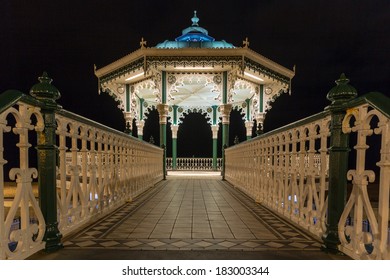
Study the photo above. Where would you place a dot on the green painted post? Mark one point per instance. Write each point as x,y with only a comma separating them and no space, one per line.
163,112
261,98
141,117
338,162
47,160
248,116
128,104
174,128
215,137
174,153
215,154
225,113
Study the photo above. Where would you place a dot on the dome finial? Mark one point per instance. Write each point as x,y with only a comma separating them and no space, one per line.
195,20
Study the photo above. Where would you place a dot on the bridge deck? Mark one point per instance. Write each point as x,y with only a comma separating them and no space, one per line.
195,216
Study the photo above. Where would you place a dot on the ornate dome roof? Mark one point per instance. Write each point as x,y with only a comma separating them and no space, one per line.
194,37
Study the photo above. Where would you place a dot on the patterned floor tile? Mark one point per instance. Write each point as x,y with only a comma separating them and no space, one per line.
180,244
133,243
274,244
299,245
86,243
109,243
156,244
203,244
204,215
226,244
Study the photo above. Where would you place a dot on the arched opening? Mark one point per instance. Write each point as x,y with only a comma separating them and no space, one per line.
152,128
194,137
236,127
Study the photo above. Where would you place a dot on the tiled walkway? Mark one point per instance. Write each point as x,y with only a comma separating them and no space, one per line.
193,213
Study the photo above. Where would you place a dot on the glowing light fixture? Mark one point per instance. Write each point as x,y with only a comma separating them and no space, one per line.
253,76
135,76
193,68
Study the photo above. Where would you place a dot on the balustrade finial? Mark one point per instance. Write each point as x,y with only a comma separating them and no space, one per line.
342,92
44,90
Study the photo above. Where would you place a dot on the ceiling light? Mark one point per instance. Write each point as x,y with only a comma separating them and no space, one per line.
253,76
135,76
193,68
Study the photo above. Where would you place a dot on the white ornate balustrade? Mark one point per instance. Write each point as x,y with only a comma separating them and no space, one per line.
286,170
106,168
23,238
99,169
195,164
357,240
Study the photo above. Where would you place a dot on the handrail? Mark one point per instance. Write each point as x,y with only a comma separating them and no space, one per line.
376,100
107,168
10,97
295,124
286,170
90,122
100,168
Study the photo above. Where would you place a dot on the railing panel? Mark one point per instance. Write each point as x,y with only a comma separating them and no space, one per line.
286,170
366,236
22,225
99,170
195,164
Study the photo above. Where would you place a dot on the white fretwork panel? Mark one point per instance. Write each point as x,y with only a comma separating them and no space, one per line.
22,225
99,170
364,224
286,171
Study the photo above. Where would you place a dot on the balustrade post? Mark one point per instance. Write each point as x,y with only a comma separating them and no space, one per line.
163,113
338,161
47,159
174,128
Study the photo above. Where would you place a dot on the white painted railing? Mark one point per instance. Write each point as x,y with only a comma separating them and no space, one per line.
99,170
357,240
196,164
22,225
106,169
286,170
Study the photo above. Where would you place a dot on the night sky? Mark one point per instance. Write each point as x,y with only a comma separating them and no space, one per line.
322,38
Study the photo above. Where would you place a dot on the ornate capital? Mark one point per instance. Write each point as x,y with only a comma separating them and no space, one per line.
163,110
140,127
260,117
225,113
214,129
129,116
174,128
249,126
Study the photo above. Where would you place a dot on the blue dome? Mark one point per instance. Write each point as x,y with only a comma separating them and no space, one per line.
194,37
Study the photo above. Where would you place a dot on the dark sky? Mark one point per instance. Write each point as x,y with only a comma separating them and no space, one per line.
322,38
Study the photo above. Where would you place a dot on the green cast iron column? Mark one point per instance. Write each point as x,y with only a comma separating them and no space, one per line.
248,115
225,112
141,115
47,161
174,153
174,137
225,123
163,112
215,137
215,153
338,162
127,113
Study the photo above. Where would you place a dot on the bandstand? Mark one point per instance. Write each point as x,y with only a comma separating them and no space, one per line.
194,73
